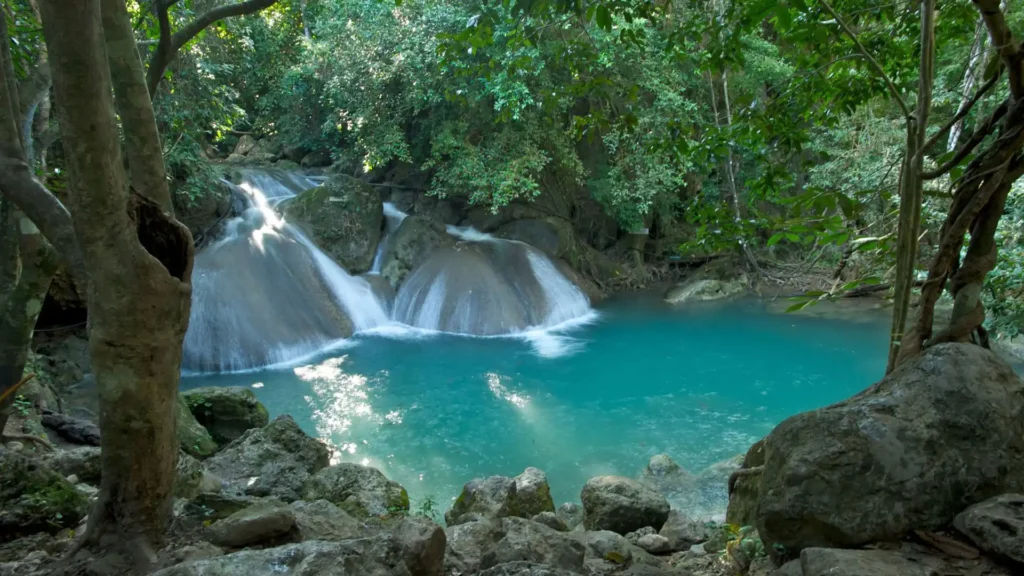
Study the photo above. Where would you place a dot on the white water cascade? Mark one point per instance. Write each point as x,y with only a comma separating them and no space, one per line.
265,294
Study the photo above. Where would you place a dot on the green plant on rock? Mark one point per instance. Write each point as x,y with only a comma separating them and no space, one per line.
428,508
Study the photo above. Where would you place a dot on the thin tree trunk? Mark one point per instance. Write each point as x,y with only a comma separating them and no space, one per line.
142,141
139,262
911,187
970,79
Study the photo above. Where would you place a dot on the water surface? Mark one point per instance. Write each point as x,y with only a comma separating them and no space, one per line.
701,384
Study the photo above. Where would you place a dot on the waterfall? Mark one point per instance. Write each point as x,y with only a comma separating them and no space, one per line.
264,294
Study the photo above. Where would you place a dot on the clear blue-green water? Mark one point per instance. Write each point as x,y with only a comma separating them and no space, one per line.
700,384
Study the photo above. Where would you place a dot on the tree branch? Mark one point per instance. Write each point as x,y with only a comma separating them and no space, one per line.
1003,42
964,110
162,55
874,63
969,146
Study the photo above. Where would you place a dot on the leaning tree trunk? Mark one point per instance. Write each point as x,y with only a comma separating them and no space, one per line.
139,264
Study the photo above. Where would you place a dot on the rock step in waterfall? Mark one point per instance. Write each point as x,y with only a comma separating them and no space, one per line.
265,293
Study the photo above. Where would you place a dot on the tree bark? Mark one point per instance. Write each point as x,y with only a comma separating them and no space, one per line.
139,263
142,141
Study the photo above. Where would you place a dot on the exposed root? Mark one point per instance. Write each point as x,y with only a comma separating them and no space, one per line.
742,472
28,438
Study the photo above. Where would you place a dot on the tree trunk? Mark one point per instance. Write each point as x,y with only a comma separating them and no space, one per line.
970,79
142,141
139,263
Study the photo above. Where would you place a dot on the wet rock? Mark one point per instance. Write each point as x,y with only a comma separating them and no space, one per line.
466,544
524,540
344,218
83,462
533,494
704,290
835,562
996,526
322,520
259,523
34,498
194,439
682,532
382,290
493,497
201,212
551,520
943,431
746,488
359,490
654,544
571,513
276,460
226,411
622,505
552,235
245,145
445,210
422,543
414,240
377,556
525,569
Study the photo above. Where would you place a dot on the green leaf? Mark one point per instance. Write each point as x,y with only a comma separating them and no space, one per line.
775,239
604,17
800,306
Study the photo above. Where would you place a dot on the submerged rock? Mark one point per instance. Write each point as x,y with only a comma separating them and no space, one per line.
359,490
259,523
343,217
493,497
226,411
411,244
943,431
276,460
34,498
622,505
996,526
533,494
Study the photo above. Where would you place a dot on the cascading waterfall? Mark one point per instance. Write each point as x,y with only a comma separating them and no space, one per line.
264,293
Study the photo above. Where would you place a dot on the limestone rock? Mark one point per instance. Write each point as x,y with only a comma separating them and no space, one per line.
682,532
622,505
571,513
654,544
316,159
835,562
552,236
201,212
714,281
466,544
188,477
226,411
943,431
245,145
533,494
276,460
533,542
746,489
322,520
445,210
606,550
422,543
259,523
493,497
414,240
996,526
34,498
377,556
636,535
193,437
359,490
525,569
344,218
83,462
551,520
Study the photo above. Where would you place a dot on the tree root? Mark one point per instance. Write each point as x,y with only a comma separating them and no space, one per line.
28,438
742,472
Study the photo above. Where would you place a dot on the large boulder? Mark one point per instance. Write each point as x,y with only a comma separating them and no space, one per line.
745,487
552,235
716,280
524,540
34,498
359,490
466,543
200,212
416,237
262,522
533,494
276,460
245,145
493,497
377,556
682,532
226,411
193,437
996,526
344,218
316,159
945,430
322,520
622,505
422,543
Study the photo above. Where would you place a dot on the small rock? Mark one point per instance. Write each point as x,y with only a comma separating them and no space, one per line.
359,490
996,526
662,465
697,550
87,490
493,497
791,568
72,479
622,505
682,532
533,494
638,534
15,446
654,543
259,523
551,520
226,412
571,513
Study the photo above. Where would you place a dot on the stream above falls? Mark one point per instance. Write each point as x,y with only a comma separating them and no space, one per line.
701,384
